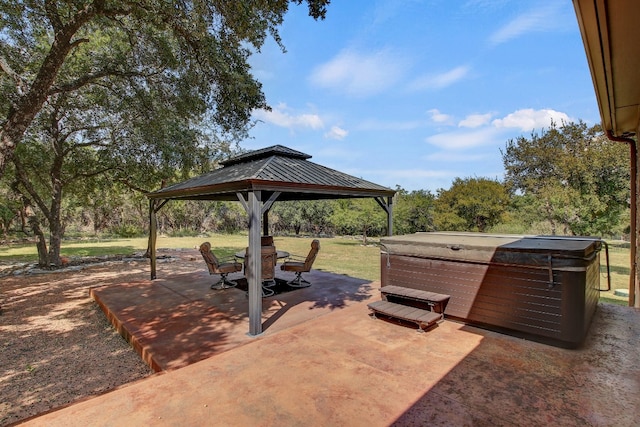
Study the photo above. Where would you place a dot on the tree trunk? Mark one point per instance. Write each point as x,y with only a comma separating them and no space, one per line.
41,244
56,228
56,231
548,210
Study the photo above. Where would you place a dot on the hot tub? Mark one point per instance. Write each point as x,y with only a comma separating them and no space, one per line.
539,287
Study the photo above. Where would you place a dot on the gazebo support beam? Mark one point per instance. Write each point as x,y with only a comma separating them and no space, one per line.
254,269
265,212
153,233
154,206
388,208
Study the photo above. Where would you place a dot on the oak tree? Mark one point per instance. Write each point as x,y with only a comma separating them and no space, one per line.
471,204
133,92
198,45
577,179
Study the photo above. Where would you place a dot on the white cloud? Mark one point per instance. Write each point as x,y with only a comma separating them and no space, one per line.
336,133
529,119
439,117
459,140
545,18
475,120
486,134
442,80
360,74
280,116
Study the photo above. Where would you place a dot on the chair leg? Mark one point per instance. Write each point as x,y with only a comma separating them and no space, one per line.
299,282
269,283
267,292
224,283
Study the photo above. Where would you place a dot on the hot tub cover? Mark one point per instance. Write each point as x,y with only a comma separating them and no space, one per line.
495,248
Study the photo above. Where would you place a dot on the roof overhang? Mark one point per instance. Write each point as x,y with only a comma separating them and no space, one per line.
611,35
270,170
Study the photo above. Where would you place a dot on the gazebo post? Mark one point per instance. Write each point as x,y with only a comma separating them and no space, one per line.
153,226
390,216
255,266
265,223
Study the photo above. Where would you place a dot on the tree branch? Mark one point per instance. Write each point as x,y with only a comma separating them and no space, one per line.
24,181
132,186
51,8
92,78
17,80
87,175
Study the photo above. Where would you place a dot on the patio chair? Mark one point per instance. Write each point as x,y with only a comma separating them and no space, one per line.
299,265
221,267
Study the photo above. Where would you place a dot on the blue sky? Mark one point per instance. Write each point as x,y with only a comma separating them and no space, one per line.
416,93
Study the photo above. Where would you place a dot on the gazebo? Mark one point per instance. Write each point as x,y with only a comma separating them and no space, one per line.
257,179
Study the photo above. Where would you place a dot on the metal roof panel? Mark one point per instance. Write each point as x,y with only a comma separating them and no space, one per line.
284,168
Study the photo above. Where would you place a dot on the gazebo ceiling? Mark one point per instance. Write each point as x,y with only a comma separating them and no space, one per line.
272,169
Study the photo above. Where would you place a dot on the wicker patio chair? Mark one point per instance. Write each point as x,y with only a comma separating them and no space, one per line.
299,265
221,267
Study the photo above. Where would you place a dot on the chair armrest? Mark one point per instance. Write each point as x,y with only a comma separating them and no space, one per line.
295,258
230,260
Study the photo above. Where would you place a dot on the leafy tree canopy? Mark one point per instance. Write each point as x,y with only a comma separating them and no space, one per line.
193,47
471,204
124,92
413,211
577,179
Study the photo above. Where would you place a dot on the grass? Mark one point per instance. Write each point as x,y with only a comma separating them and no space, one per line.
338,255
341,255
619,267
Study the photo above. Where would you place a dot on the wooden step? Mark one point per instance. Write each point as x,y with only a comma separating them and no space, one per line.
423,318
437,301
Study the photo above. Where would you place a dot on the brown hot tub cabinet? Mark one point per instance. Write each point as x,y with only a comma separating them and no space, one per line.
542,288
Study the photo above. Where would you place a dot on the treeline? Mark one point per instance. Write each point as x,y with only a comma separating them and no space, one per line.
567,180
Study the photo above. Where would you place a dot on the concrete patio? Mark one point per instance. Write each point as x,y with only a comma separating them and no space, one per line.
323,361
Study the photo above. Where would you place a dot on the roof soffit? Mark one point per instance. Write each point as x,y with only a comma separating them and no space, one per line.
611,36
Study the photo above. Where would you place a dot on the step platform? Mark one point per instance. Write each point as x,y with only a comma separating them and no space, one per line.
437,302
423,318
412,305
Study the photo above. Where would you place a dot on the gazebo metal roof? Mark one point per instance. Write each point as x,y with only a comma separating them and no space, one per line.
257,179
275,168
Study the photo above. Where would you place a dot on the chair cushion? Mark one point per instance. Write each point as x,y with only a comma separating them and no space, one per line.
229,267
292,266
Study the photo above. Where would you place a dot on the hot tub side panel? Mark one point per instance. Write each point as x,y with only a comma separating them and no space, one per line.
516,298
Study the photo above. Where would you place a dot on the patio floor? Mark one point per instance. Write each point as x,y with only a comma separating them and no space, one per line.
323,361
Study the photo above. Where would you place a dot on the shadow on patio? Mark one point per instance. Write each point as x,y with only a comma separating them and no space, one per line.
177,320
323,361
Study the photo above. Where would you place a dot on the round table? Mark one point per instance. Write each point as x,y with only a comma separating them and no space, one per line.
279,254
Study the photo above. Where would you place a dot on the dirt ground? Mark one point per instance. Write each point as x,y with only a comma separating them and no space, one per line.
56,345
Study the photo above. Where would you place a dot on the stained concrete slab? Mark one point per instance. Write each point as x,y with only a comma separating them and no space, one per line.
177,320
324,361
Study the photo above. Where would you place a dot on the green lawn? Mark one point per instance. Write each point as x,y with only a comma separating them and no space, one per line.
619,266
337,255
342,255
